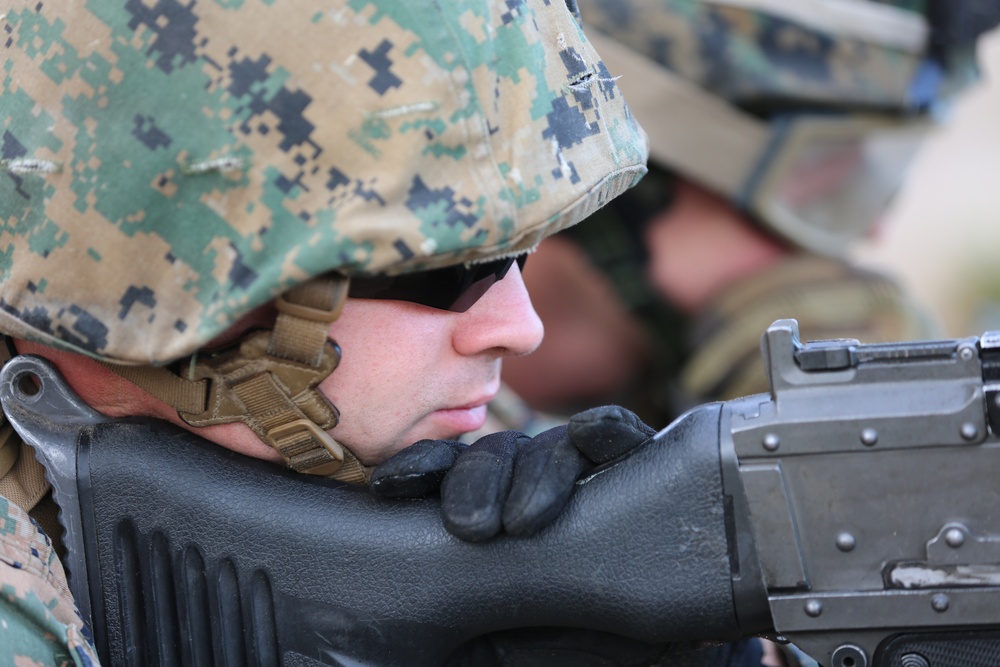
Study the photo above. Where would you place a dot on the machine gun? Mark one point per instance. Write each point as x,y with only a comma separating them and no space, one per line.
852,511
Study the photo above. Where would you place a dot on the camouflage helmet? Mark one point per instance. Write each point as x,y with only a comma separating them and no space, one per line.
168,166
776,53
803,113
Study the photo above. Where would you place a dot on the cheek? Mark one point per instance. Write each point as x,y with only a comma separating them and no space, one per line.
392,354
358,387
388,338
371,343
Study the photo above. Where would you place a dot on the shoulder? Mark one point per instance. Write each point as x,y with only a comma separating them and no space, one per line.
38,618
830,299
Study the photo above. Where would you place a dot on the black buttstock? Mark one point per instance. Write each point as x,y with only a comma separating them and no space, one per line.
198,556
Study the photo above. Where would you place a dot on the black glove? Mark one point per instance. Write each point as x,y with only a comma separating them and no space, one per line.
506,480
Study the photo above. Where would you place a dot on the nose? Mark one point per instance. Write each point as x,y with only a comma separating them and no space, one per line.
503,323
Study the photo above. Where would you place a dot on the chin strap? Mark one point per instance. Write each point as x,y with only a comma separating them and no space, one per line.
269,382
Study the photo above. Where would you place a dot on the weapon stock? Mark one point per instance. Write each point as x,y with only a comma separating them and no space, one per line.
195,555
853,511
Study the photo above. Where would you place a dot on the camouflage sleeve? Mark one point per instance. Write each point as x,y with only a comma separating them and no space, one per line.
830,299
39,622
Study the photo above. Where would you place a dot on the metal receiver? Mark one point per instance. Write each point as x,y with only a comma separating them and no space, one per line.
870,473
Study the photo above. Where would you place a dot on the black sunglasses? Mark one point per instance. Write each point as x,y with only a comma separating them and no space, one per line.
453,288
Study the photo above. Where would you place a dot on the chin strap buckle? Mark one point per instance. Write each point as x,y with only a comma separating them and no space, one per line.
297,441
270,383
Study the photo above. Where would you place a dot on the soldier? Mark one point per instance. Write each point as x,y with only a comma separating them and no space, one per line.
198,199
778,132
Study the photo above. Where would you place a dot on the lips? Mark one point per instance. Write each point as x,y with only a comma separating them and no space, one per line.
464,418
471,405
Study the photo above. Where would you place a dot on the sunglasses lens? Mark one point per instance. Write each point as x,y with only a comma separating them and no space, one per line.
454,288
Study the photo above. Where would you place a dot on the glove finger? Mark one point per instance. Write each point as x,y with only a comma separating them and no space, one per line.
416,471
475,489
545,470
608,432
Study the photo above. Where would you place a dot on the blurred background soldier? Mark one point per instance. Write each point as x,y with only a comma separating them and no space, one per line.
778,134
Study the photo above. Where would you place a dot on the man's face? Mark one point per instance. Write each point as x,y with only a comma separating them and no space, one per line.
411,372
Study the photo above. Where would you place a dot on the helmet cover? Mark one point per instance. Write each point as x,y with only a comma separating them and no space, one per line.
775,54
166,167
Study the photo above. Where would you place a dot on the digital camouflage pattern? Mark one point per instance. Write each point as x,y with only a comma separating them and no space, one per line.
39,623
167,166
753,57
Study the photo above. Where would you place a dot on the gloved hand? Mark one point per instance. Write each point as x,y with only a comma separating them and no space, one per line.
507,480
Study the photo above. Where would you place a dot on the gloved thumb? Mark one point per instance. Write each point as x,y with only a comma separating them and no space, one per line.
416,471
607,433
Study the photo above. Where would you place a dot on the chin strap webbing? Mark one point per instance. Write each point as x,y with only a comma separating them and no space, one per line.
269,382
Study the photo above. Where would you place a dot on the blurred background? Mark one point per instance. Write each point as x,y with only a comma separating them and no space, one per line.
778,131
941,237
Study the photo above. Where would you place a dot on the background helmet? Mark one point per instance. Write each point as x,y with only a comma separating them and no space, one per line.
804,113
167,167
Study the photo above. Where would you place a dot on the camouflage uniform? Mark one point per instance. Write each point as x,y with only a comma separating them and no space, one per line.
202,158
830,299
39,623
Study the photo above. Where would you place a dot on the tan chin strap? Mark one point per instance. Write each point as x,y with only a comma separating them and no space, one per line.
269,382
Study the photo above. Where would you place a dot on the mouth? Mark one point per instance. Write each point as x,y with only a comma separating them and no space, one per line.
464,418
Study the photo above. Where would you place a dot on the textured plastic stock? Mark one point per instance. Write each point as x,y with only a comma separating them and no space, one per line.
197,556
